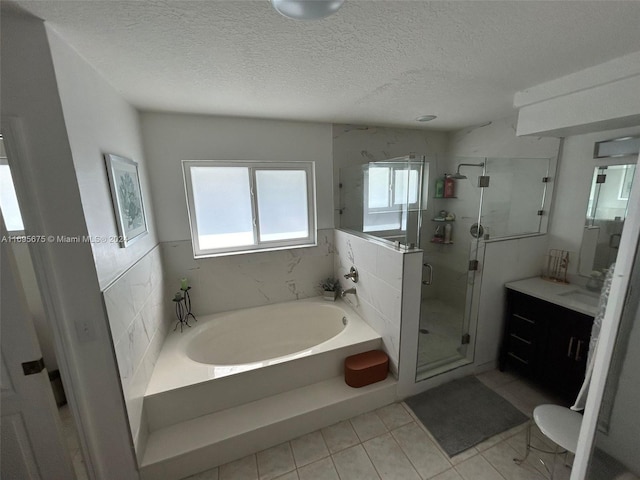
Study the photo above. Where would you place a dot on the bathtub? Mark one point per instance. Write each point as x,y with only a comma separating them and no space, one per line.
226,344
247,380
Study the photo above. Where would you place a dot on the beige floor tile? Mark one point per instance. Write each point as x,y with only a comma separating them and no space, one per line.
448,475
207,475
394,416
289,476
320,470
309,448
477,468
495,378
275,461
389,460
501,458
461,457
340,436
245,468
354,464
423,453
368,425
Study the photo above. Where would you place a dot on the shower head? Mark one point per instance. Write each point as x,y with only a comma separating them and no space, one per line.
460,176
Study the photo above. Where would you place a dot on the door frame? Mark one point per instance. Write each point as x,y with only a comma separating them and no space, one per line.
15,145
610,324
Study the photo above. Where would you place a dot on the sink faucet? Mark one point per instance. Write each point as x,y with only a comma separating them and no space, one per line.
348,290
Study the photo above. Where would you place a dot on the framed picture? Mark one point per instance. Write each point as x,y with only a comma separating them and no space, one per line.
127,198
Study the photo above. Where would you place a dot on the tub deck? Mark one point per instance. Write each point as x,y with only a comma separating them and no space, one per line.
199,416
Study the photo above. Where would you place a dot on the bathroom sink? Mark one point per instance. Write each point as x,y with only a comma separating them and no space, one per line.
582,296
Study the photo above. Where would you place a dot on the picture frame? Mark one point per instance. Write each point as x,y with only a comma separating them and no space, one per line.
126,196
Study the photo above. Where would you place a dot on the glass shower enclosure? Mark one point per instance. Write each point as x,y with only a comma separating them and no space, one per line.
487,199
384,200
493,199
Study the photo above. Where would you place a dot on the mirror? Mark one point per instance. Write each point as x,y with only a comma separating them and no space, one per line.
606,213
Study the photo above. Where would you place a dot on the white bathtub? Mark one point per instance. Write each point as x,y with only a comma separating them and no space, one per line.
229,343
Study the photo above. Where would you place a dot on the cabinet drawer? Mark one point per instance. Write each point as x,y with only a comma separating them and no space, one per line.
523,326
520,350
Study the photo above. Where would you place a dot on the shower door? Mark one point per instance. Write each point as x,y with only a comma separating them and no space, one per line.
445,337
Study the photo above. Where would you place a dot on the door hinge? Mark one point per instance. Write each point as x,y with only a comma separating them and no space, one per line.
540,213
466,339
601,178
473,265
33,367
483,181
546,179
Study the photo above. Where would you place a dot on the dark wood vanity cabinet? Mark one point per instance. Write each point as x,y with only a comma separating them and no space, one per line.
546,343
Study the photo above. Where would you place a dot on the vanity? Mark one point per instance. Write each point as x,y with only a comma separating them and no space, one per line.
546,334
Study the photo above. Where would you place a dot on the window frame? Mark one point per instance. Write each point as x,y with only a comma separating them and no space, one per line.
5,161
393,207
258,246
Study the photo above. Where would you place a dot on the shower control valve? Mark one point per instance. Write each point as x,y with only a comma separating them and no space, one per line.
352,275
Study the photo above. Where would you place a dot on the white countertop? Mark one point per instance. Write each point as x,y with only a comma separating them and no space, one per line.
569,296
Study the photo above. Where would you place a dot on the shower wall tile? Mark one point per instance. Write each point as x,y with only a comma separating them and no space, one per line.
139,316
379,288
233,282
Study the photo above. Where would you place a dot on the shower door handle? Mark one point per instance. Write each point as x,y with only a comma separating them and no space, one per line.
430,278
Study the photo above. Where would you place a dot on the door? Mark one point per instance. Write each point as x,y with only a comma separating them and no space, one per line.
31,444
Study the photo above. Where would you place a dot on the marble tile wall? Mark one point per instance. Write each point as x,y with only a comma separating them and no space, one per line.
232,282
139,317
379,288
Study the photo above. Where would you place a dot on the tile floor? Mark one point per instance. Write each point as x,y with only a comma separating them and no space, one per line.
391,444
73,444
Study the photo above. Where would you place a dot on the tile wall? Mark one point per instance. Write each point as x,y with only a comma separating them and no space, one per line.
379,288
232,282
139,317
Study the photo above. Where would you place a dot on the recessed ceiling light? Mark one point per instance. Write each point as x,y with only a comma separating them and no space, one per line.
426,118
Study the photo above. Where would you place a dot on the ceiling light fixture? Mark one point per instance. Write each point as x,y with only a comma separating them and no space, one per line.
426,118
306,9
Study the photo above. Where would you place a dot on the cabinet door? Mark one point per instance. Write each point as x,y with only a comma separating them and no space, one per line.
566,351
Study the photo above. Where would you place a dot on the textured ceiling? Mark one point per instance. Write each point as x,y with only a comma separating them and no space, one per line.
374,62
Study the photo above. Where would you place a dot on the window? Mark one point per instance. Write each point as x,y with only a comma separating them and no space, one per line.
8,198
391,190
241,206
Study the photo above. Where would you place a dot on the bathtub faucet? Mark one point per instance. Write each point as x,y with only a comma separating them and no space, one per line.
348,290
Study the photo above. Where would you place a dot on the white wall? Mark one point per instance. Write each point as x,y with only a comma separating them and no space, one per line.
138,315
48,189
575,174
99,121
602,97
170,138
236,281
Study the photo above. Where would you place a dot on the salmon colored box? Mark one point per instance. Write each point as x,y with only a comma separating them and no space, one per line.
366,368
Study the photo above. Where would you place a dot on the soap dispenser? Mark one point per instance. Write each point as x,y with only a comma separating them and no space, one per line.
449,186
